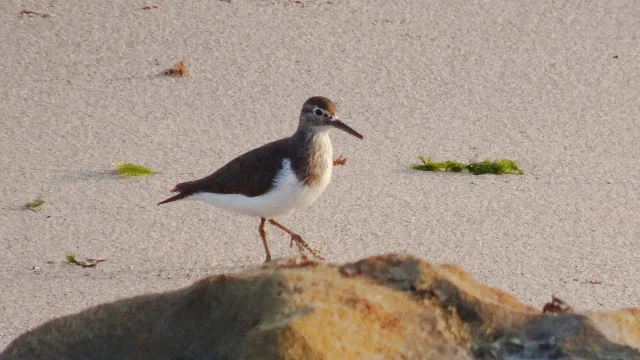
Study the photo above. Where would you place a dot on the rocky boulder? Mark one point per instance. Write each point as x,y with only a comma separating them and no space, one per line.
384,307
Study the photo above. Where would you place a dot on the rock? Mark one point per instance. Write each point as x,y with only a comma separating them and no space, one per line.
385,307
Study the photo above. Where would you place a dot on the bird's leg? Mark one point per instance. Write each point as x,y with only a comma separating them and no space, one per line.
263,235
301,244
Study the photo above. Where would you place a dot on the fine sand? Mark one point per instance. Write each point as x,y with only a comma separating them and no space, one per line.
553,85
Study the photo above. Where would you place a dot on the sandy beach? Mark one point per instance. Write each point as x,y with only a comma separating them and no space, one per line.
552,85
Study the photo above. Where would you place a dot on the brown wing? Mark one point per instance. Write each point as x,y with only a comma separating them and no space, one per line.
249,174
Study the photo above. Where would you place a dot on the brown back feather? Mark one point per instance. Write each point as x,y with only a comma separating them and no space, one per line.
250,174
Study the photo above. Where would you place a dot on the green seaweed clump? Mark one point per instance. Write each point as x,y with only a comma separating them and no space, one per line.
443,166
35,205
129,169
498,167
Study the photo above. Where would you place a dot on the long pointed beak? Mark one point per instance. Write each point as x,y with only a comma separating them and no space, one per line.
344,127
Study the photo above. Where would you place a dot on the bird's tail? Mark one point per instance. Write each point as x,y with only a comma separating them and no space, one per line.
179,196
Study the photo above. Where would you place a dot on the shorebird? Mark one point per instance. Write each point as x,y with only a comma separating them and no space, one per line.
278,178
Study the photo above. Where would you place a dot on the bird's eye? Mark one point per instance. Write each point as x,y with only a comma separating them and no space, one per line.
318,112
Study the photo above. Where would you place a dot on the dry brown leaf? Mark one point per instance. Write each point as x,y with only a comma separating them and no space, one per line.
556,306
340,161
179,69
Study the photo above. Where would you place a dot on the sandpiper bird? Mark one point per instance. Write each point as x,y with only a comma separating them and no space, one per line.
277,178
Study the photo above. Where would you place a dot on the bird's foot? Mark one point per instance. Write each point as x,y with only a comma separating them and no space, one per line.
302,246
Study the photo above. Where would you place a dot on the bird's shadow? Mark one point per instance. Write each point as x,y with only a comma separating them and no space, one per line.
89,174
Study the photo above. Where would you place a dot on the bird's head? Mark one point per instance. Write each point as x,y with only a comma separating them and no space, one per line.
319,113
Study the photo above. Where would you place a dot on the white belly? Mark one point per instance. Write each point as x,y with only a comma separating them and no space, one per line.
285,197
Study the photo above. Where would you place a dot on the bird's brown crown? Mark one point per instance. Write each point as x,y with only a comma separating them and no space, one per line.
320,102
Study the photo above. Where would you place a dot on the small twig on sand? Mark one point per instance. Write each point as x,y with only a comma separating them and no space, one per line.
34,13
71,259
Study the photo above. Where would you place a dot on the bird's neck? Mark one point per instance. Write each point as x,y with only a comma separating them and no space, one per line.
313,140
316,156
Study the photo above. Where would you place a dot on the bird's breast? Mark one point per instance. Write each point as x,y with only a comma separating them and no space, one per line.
319,162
